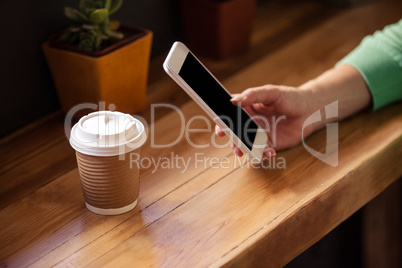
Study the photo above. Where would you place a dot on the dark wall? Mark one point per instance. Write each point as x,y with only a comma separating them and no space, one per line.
27,91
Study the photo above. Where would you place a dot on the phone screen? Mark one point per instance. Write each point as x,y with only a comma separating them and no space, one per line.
212,93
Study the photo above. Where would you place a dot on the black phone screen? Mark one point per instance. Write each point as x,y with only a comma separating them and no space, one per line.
212,93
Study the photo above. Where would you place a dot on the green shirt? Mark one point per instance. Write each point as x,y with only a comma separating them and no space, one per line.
378,58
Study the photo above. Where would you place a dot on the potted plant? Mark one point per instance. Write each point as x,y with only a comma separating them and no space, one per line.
96,60
217,28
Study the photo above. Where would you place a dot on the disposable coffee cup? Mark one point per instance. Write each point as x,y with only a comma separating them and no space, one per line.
103,142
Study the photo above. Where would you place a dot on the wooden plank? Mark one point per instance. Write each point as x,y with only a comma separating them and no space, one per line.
35,172
54,241
38,223
267,217
368,173
381,229
139,222
208,217
29,141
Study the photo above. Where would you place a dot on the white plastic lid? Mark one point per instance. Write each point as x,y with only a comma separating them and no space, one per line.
107,133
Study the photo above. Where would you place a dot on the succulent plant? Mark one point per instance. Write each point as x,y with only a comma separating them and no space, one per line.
91,24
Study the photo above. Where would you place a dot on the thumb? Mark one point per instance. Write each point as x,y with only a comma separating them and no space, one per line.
265,94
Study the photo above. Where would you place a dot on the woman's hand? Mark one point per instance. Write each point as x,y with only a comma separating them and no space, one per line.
282,110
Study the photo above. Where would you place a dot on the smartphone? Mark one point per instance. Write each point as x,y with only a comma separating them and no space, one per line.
199,83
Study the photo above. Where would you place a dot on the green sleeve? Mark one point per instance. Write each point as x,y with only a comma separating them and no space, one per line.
378,58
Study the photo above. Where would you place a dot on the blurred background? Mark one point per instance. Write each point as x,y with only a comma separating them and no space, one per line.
27,90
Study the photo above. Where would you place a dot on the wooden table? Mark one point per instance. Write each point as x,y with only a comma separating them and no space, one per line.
209,215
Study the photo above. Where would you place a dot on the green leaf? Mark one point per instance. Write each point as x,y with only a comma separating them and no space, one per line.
99,15
108,4
87,41
115,5
100,33
90,27
99,38
65,36
88,11
104,25
113,34
94,33
90,4
84,4
114,24
75,15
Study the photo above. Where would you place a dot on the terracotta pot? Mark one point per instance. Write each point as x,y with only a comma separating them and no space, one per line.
217,28
118,76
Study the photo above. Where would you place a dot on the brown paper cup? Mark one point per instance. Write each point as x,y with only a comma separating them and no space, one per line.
103,142
110,185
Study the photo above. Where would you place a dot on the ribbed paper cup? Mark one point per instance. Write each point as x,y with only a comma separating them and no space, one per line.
110,184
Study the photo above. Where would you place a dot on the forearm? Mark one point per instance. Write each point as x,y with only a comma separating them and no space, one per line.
369,75
343,84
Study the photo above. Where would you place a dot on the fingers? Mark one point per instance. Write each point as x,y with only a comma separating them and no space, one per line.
237,151
267,95
269,152
219,132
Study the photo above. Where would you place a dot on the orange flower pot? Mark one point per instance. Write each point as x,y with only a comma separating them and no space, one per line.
118,77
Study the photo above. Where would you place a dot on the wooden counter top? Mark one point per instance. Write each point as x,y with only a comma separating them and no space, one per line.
205,215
